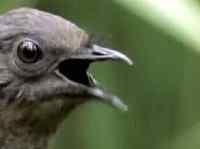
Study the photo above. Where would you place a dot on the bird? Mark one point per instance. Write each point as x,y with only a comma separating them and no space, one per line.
44,61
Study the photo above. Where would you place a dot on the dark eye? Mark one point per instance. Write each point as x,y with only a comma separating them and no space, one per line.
29,52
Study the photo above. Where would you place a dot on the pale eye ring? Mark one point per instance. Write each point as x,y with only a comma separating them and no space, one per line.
29,51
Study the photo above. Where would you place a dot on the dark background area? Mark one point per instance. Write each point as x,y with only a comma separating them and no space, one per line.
162,89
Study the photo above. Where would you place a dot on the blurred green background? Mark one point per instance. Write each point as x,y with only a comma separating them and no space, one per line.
162,90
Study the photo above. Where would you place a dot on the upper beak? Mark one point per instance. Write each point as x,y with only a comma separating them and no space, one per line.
97,53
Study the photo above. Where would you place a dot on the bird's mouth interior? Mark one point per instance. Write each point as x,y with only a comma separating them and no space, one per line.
76,70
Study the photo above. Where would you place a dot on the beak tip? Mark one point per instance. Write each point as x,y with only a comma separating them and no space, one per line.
107,54
125,108
117,103
129,62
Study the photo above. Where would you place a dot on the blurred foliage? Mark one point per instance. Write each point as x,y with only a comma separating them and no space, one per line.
162,90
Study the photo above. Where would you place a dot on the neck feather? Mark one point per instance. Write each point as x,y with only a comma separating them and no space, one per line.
31,126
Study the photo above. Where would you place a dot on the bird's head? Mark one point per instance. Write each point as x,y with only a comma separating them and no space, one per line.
43,66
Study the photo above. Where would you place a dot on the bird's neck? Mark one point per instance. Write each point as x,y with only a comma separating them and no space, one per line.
31,127
19,131
17,139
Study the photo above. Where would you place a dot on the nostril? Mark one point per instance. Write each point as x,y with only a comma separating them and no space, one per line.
97,53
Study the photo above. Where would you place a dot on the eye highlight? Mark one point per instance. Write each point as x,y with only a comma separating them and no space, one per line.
29,52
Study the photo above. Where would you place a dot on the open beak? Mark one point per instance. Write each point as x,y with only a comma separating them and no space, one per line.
75,70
